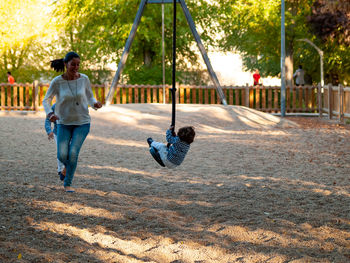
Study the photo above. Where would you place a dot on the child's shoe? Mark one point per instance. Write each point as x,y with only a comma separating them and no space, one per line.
61,175
149,141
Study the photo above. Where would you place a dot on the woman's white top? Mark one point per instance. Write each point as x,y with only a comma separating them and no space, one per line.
73,98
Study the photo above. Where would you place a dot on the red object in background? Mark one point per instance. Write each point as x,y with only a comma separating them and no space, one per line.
11,79
256,78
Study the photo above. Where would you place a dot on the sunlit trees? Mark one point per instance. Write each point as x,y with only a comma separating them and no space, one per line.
25,30
253,28
35,31
98,29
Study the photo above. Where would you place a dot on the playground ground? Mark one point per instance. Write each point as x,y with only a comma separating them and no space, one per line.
253,188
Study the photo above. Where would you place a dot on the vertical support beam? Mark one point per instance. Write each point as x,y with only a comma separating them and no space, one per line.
341,102
269,99
163,52
194,95
105,91
126,52
2,104
27,96
246,95
15,96
275,102
321,66
319,99
203,52
9,97
35,95
173,89
330,110
236,92
21,97
283,58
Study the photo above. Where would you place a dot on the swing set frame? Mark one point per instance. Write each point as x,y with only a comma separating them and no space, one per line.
197,38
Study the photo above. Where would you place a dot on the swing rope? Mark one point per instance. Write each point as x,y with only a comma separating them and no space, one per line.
173,89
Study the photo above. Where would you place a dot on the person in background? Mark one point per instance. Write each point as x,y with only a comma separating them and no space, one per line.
52,134
299,76
256,77
73,96
10,78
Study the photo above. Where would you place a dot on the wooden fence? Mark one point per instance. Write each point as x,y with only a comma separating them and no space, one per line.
306,99
336,101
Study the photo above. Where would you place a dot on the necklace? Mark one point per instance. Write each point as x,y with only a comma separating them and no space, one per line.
76,92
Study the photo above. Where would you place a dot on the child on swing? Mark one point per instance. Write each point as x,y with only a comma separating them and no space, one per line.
174,153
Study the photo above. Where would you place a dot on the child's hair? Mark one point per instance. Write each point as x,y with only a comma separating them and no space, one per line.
186,134
58,64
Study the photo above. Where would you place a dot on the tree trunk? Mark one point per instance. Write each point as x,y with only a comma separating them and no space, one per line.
71,39
293,8
289,65
5,62
147,57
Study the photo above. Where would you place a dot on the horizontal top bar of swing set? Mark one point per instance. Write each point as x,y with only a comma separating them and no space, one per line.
162,1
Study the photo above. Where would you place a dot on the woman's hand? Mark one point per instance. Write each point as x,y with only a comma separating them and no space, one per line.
98,105
50,136
52,117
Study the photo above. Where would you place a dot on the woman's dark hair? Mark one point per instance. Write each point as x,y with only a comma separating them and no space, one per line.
58,64
186,134
8,72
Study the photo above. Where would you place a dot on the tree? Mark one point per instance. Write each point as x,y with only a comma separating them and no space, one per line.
98,30
24,34
253,28
330,21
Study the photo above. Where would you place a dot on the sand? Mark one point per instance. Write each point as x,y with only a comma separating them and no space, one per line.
253,188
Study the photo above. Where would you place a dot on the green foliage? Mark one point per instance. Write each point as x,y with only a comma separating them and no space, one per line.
154,75
253,28
330,21
34,32
98,31
25,31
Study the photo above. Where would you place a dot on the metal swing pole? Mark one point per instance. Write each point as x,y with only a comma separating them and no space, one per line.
126,51
173,89
163,52
283,60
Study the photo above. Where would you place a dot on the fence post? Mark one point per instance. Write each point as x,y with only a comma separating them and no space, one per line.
3,103
177,94
330,110
319,99
35,95
104,92
341,102
247,95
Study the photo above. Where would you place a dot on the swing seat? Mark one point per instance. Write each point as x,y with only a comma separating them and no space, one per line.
155,154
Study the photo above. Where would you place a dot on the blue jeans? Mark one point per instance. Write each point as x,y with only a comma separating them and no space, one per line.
163,152
70,138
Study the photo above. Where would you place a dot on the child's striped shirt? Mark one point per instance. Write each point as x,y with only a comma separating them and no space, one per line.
177,150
